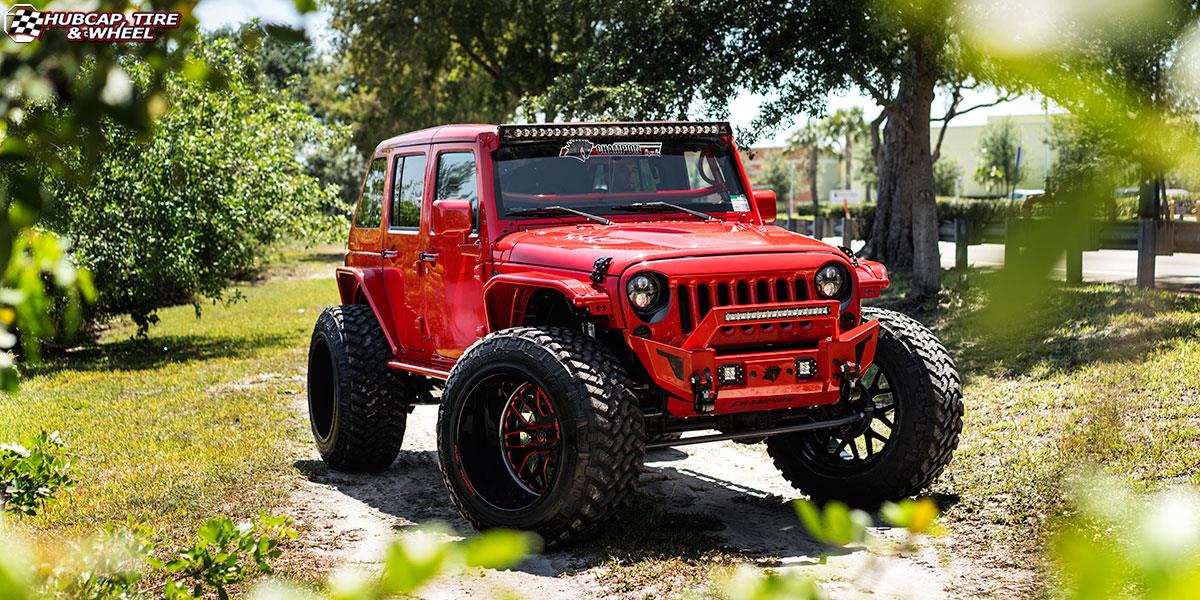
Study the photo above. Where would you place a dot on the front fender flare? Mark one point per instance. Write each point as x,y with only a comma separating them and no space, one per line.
505,297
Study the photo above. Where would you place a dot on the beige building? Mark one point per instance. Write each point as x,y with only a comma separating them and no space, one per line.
961,145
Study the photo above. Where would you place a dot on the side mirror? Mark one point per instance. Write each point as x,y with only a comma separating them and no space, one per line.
764,201
451,217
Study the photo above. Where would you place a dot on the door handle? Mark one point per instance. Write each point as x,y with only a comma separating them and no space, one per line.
428,256
390,253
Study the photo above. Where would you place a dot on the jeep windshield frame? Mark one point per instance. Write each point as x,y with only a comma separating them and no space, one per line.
605,176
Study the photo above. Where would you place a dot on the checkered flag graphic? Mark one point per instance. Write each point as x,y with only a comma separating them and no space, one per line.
26,21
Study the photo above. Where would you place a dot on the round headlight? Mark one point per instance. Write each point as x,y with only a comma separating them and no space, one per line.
643,291
830,281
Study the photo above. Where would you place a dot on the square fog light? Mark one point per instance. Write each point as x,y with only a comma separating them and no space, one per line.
806,368
731,373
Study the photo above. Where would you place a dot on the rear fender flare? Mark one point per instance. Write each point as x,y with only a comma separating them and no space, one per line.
366,286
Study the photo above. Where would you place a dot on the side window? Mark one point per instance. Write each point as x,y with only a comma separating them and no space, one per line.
370,206
456,180
407,189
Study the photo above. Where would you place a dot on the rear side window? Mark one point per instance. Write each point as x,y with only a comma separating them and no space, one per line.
456,180
407,190
370,206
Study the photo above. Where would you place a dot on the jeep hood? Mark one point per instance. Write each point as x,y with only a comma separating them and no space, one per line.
578,246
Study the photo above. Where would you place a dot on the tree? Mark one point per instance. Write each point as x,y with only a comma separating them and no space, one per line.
661,59
946,174
173,218
1085,152
87,80
844,128
812,140
778,175
999,168
399,66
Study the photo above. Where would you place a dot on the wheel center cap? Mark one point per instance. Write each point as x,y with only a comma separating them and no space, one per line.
541,436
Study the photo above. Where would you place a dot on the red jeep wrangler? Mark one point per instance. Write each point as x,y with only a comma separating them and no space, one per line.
579,293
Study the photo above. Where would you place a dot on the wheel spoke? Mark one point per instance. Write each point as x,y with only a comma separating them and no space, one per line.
530,435
875,380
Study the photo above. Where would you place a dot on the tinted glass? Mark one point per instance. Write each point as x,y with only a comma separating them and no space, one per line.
600,176
456,180
407,189
370,206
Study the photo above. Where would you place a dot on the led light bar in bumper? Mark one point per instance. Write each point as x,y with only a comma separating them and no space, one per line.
777,313
577,130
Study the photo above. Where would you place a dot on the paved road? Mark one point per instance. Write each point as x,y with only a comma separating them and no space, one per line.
1179,272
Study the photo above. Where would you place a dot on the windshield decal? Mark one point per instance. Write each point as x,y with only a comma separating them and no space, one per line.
739,203
583,149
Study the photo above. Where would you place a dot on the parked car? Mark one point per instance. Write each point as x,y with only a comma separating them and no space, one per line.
573,294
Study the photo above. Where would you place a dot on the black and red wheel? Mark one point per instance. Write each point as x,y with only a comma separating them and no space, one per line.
912,399
530,438
539,430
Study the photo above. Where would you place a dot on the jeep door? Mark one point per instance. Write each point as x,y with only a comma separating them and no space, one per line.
402,245
453,303
366,224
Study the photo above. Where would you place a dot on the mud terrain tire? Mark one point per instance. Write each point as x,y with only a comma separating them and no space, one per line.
927,393
356,404
576,397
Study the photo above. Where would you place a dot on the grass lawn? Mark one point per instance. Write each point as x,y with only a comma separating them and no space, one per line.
191,422
1080,378
198,419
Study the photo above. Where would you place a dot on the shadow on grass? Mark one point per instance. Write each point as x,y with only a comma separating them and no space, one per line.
1059,328
139,354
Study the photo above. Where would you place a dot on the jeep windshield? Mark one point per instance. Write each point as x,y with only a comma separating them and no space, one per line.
609,176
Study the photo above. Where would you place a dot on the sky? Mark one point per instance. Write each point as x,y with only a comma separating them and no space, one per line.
214,14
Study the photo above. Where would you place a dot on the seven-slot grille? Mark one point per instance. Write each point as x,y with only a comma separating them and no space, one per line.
698,296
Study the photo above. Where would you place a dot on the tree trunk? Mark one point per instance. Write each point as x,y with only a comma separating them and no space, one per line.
812,179
905,235
849,153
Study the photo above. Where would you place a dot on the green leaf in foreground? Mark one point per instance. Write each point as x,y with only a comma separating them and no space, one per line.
837,525
919,517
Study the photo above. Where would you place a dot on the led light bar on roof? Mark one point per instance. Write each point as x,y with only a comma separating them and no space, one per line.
575,130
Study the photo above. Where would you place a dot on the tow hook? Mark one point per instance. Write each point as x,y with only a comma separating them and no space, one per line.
849,375
704,395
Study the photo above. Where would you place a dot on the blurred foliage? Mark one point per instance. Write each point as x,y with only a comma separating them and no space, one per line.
1122,69
90,85
225,554
415,559
102,567
1115,543
998,169
172,219
1086,153
113,565
748,583
916,516
834,524
402,66
946,174
31,474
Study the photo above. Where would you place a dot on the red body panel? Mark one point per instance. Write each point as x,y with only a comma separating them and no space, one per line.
437,293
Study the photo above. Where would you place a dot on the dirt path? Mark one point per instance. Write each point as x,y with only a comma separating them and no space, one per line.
349,518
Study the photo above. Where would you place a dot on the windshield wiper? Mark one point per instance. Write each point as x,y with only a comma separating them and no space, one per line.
550,211
663,207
